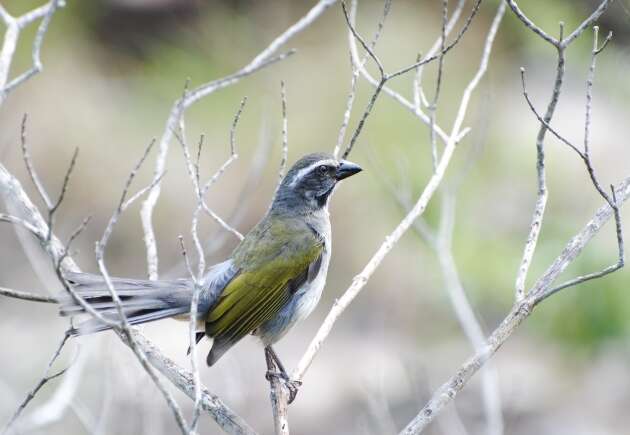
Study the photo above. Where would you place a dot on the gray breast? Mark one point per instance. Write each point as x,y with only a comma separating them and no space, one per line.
305,298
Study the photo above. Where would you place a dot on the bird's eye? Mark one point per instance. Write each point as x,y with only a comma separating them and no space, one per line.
323,169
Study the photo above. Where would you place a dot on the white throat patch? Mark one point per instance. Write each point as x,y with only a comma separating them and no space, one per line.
302,172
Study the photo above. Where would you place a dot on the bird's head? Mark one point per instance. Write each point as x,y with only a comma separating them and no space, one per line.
311,180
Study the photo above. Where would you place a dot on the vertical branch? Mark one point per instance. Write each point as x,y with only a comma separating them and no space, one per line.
465,314
541,196
197,279
279,398
355,69
349,103
285,139
192,338
438,85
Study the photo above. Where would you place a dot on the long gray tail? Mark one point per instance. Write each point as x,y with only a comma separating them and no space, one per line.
142,300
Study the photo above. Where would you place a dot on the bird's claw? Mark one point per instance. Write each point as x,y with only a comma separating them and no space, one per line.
291,385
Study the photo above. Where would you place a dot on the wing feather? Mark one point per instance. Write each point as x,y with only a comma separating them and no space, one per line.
269,271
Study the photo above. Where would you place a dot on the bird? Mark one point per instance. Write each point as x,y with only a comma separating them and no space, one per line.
273,279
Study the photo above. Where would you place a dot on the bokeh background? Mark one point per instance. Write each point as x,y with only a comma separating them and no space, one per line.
113,69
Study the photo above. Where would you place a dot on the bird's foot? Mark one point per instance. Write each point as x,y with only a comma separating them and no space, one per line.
292,385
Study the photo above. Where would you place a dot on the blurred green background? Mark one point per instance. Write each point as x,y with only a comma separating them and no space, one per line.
112,71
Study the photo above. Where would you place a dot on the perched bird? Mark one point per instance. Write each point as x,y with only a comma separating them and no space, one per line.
273,279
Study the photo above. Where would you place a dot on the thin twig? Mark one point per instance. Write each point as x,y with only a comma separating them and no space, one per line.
586,158
419,97
192,338
30,169
355,71
369,50
42,381
64,188
385,77
438,86
285,126
447,48
542,193
27,296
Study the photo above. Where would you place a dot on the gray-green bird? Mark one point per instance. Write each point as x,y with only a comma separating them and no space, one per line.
274,277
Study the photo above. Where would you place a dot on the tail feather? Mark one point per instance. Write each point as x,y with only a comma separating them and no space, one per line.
94,325
129,304
142,300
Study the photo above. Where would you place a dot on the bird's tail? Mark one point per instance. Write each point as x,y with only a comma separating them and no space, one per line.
142,300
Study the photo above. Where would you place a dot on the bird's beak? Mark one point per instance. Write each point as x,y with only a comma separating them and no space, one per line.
346,169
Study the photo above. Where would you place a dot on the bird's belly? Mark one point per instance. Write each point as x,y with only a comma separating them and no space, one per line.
301,304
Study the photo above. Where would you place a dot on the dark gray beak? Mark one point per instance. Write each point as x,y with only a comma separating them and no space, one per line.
346,169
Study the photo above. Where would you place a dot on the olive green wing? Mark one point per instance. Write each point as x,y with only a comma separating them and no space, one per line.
273,263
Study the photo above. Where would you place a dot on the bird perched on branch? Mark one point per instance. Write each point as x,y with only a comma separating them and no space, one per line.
273,279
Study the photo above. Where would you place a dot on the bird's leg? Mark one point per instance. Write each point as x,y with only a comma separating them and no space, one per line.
274,362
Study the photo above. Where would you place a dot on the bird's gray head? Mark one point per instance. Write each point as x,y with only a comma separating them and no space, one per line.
310,182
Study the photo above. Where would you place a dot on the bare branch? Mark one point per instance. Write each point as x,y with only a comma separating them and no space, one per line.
610,199
588,22
390,241
366,113
350,18
27,296
183,380
438,85
356,71
446,49
542,194
358,37
465,314
192,329
589,84
254,174
225,417
200,192
193,171
585,156
525,302
540,118
64,188
419,96
262,60
123,329
285,140
12,192
14,26
44,379
380,84
530,24
346,114
279,397
521,310
30,169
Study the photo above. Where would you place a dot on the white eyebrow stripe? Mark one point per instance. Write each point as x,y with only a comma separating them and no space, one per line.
302,172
